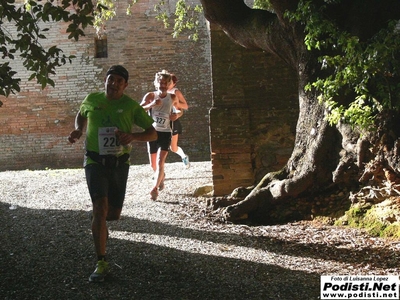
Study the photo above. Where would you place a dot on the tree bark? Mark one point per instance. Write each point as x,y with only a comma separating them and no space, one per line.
323,156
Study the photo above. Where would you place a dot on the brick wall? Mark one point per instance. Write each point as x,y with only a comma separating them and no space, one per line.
253,114
35,123
247,100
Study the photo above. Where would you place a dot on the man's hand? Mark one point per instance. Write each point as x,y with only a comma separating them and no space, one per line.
123,137
156,102
74,135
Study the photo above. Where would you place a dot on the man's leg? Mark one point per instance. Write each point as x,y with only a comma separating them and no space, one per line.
117,190
99,232
153,161
113,213
99,225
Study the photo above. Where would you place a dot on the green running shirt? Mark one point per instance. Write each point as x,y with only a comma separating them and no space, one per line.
104,116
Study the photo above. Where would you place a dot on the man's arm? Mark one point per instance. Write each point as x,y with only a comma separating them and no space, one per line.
149,101
150,134
80,123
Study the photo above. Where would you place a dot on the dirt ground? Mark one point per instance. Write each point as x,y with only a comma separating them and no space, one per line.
166,249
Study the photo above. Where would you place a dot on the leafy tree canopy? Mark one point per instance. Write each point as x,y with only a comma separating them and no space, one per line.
368,70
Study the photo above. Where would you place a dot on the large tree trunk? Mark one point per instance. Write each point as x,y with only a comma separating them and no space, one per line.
324,157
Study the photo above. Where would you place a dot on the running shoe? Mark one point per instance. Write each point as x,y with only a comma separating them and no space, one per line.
186,161
100,272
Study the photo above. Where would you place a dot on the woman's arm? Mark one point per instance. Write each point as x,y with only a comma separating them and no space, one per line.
182,103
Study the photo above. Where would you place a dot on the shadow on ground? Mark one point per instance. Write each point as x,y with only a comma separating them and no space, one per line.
48,254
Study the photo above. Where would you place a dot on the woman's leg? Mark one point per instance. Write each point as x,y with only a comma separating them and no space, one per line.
174,143
159,174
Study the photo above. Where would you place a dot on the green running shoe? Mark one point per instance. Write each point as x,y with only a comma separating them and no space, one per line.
100,272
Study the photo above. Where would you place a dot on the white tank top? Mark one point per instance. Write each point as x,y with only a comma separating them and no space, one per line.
160,114
172,91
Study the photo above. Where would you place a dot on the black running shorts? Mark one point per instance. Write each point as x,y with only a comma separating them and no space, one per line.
176,127
163,141
107,182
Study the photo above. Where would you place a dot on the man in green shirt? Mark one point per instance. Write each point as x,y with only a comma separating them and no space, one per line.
109,118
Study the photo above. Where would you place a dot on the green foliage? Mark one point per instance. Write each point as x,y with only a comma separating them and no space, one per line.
392,231
262,4
186,18
7,83
105,11
29,18
369,218
368,71
357,113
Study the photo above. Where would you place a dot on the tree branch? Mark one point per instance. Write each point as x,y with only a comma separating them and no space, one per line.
254,28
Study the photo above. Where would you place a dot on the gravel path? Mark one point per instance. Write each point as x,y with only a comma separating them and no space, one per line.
165,249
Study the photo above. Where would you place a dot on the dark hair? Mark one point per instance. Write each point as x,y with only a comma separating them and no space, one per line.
174,78
118,70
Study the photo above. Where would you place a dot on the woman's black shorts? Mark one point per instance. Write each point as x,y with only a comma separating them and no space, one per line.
176,127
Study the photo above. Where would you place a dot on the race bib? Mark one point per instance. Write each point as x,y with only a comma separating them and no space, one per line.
161,119
108,142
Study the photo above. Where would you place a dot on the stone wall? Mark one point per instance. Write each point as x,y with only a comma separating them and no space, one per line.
253,115
35,123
